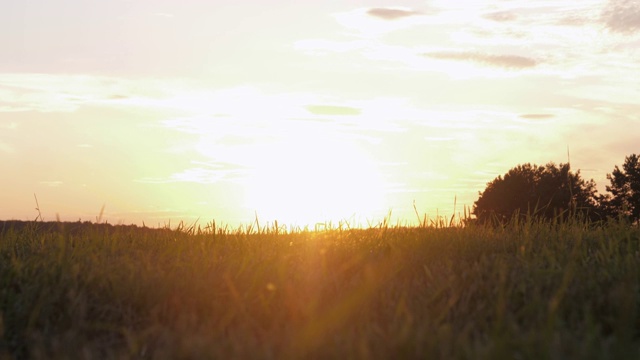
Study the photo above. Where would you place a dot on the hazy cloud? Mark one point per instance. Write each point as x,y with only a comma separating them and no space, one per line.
118,97
505,61
210,172
501,16
203,173
537,116
442,138
622,15
64,93
322,46
200,175
332,110
391,13
574,20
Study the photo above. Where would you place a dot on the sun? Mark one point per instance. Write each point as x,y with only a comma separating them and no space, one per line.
315,180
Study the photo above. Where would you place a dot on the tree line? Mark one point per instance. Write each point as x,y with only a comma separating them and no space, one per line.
554,191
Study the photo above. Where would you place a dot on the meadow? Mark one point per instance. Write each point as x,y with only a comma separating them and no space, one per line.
527,290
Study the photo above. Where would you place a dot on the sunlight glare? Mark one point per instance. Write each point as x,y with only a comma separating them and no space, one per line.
310,180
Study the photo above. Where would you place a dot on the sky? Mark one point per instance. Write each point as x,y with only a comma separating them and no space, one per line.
161,111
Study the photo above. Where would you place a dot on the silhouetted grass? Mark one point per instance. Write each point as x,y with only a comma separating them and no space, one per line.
528,290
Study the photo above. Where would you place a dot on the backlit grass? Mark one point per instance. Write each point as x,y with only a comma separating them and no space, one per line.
525,291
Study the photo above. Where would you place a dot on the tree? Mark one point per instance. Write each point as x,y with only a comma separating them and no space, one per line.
541,191
625,190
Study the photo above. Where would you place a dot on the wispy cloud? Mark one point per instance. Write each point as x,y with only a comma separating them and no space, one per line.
66,93
392,13
501,16
433,138
323,46
332,110
622,16
203,172
117,97
505,61
373,22
201,175
536,116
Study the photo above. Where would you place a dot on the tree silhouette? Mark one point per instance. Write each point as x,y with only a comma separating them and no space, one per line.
625,190
541,191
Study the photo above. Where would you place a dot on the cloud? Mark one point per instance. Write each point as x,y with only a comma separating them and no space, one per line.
194,175
203,173
391,13
117,97
505,61
442,138
322,46
537,116
500,16
332,110
574,20
200,175
622,16
66,93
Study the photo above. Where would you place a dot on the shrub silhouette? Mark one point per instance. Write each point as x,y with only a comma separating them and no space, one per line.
547,192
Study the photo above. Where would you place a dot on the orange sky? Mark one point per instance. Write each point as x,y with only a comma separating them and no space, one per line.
304,112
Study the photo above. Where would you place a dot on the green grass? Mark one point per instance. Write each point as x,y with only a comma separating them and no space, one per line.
525,291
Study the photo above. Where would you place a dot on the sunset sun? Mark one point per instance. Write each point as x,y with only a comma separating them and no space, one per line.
309,180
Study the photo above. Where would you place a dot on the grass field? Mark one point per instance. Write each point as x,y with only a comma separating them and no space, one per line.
525,291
